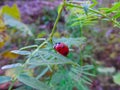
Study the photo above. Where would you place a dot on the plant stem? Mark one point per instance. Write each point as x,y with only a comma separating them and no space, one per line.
81,59
12,84
56,22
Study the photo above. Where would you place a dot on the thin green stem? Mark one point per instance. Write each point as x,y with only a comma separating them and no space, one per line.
56,22
12,84
81,59
40,46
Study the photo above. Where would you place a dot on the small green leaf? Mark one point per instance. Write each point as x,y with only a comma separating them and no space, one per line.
32,82
4,79
106,70
45,57
117,15
42,73
21,52
116,78
71,41
80,75
27,47
11,66
85,7
8,20
94,3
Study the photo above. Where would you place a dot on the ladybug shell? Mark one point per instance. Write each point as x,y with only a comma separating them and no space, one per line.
62,48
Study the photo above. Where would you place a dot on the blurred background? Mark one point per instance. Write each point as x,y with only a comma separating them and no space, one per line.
103,40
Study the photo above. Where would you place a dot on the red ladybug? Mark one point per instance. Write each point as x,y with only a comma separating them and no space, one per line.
61,48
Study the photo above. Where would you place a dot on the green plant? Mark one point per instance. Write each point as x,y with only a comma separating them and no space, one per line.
66,73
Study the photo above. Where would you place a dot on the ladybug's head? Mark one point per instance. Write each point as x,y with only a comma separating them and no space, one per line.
58,43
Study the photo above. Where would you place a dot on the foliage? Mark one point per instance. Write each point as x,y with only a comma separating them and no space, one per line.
4,79
116,78
46,69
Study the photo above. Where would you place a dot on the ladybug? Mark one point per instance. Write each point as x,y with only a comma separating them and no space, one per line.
61,48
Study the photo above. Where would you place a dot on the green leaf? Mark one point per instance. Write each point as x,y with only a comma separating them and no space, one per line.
45,57
32,82
85,8
117,15
87,67
106,70
114,8
8,20
71,41
116,78
94,3
4,79
80,74
11,66
28,47
42,73
21,52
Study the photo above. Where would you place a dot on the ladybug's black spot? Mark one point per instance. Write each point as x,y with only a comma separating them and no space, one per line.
58,43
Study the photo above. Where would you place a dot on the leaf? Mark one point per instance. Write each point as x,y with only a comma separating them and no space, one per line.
10,72
45,57
61,80
21,52
4,79
32,82
57,34
71,41
27,47
80,74
85,8
17,24
12,11
41,34
87,67
114,8
106,70
11,66
14,72
117,15
94,3
116,78
42,73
